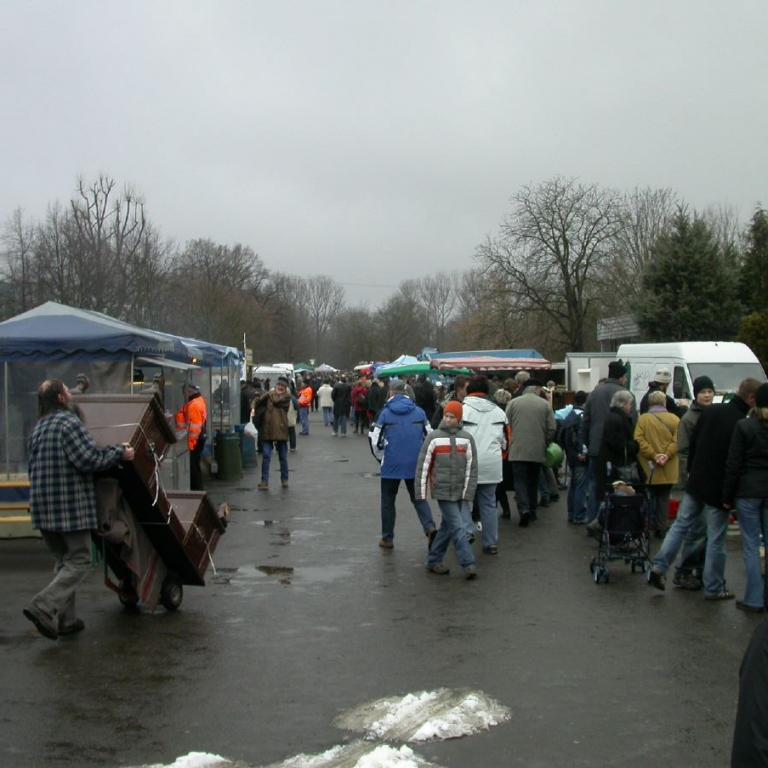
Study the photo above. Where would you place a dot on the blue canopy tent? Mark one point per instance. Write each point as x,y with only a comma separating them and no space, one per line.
58,341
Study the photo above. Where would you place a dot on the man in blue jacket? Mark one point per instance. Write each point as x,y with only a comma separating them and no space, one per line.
396,440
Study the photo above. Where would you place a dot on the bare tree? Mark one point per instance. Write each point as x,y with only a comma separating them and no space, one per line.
215,290
324,300
550,250
646,214
437,296
18,241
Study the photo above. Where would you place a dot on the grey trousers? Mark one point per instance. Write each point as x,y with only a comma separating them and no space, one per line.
72,551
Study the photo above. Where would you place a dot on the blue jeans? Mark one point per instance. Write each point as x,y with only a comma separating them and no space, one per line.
685,532
340,425
753,521
714,565
486,504
451,529
593,503
266,458
577,494
304,419
389,488
327,416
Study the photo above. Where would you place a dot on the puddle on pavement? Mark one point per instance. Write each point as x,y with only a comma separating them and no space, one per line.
286,575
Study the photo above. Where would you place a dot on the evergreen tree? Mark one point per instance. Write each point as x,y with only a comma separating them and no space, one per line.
688,291
753,280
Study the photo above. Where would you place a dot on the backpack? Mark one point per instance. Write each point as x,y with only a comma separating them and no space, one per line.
568,435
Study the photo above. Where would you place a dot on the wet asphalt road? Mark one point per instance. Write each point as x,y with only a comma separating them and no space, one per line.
307,617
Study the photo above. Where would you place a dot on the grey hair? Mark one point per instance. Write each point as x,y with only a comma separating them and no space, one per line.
621,397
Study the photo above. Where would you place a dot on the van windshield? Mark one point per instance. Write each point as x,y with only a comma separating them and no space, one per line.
727,376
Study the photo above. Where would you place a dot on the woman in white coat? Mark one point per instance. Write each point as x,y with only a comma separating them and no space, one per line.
486,422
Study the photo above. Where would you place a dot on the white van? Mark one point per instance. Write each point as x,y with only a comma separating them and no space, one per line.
727,363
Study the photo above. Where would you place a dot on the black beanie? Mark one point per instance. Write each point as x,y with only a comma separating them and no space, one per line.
702,382
616,369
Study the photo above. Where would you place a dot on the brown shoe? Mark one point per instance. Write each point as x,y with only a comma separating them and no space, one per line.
386,544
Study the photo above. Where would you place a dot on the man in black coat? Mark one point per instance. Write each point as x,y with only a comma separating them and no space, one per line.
707,456
342,404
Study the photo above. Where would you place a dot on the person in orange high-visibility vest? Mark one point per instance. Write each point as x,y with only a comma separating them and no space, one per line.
192,417
306,395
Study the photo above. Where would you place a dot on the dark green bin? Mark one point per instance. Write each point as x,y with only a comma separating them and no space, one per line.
226,449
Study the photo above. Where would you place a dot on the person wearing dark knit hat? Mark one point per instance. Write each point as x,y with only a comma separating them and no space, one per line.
688,573
701,383
596,412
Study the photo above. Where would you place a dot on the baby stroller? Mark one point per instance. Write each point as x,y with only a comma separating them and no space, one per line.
624,536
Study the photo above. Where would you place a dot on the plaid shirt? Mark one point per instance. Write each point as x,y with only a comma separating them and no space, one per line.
62,456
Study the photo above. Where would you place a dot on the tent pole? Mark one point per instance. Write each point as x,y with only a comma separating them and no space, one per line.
5,417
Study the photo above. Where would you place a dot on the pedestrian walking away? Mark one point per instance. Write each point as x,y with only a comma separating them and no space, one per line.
62,503
487,423
396,441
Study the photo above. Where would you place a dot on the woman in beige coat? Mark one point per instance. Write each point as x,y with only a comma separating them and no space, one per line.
656,435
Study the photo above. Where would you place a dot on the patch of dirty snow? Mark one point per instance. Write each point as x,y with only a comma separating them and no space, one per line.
425,716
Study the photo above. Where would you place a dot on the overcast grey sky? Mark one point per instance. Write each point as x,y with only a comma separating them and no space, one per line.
377,141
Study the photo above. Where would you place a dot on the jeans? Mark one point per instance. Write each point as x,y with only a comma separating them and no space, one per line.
593,502
282,455
486,502
389,488
577,494
304,420
72,550
753,521
453,529
683,533
714,565
327,416
340,424
526,479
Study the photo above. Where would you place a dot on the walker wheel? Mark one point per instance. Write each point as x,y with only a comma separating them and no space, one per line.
171,593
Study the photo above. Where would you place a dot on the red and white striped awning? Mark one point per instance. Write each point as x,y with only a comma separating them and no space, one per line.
488,363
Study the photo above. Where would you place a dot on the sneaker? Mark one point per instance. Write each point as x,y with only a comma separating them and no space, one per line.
439,569
386,544
284,483
44,625
657,580
742,606
490,550
687,581
263,486
470,572
723,594
78,625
